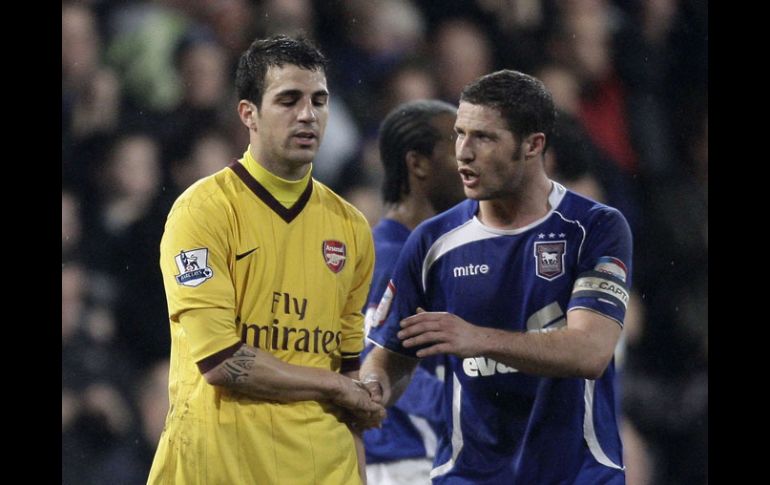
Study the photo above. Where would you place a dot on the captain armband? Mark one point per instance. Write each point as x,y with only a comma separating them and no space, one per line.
602,286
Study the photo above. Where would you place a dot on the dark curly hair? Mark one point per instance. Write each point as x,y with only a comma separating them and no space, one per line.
277,51
407,127
523,101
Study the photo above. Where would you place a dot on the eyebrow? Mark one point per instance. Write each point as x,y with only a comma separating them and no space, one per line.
298,93
475,131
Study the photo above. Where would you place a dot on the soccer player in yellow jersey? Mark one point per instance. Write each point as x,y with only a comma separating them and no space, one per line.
266,271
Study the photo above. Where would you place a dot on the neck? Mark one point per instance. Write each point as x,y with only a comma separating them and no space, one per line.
517,210
284,169
410,211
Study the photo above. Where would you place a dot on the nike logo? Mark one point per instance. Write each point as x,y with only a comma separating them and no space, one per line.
238,257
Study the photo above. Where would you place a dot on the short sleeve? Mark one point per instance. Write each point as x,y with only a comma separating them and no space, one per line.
352,343
403,295
604,266
196,276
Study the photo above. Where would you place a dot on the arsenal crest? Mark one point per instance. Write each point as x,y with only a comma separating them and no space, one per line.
334,253
549,257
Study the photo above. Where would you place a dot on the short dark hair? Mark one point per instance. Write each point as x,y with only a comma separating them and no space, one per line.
407,127
276,51
523,101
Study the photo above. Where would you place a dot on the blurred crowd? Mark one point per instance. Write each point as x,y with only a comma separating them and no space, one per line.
148,108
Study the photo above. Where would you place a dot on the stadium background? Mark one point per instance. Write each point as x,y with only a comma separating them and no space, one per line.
148,107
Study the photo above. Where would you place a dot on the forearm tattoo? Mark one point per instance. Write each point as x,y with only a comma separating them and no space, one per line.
236,369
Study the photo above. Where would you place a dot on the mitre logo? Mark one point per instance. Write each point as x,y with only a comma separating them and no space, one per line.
334,253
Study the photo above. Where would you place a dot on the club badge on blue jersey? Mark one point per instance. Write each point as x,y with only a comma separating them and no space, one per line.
549,259
193,267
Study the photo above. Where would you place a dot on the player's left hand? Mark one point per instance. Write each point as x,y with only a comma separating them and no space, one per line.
440,332
373,387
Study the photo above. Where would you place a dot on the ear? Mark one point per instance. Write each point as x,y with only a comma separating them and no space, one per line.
533,145
248,113
417,164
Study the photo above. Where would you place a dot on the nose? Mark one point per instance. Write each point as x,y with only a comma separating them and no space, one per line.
463,150
307,112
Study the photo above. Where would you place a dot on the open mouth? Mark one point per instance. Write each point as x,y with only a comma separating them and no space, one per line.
469,177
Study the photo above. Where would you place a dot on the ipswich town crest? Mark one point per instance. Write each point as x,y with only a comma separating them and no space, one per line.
193,267
549,257
334,253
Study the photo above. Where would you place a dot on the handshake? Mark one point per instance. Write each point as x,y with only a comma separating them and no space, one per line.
361,402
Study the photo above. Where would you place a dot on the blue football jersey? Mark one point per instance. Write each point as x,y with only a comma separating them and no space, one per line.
411,427
502,425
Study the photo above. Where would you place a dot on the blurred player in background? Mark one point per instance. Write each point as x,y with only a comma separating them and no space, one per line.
417,152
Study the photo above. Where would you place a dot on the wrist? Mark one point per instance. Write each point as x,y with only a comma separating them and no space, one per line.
486,342
334,390
374,385
373,379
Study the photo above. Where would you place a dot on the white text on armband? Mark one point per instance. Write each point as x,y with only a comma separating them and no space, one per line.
601,285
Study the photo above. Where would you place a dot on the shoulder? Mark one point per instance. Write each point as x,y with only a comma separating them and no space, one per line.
209,192
590,213
389,231
440,233
207,198
447,221
333,202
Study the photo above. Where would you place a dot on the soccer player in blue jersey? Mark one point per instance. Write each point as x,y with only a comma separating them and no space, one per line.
523,288
418,155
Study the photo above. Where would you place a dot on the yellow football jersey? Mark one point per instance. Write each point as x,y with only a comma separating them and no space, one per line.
240,267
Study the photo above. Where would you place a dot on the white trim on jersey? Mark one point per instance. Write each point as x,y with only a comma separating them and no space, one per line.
557,194
474,230
429,439
399,472
580,226
548,314
457,432
459,236
368,340
589,433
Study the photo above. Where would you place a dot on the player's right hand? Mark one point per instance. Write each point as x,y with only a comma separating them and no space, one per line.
365,413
